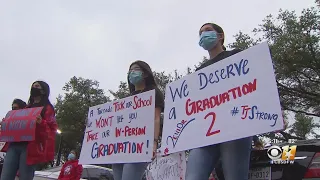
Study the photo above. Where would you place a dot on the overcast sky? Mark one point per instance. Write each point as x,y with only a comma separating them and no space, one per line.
55,40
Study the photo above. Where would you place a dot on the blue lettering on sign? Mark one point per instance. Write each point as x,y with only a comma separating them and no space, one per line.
128,104
6,138
17,125
133,116
94,149
26,138
178,131
183,91
119,118
172,113
23,112
235,69
102,110
32,123
256,114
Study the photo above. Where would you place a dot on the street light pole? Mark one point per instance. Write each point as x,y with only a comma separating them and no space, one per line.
59,150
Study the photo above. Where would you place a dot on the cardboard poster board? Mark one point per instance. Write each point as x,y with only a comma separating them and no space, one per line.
121,131
19,125
234,98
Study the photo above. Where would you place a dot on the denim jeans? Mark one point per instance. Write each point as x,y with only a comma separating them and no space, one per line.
234,155
16,159
129,171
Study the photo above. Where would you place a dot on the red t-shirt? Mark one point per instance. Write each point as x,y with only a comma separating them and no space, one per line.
71,170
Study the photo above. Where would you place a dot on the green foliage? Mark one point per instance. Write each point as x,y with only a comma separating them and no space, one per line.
122,92
294,43
204,59
295,48
304,126
243,41
72,109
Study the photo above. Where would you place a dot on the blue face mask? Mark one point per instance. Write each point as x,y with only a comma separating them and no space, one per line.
71,156
208,40
135,77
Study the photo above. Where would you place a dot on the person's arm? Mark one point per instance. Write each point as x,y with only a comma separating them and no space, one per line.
42,128
159,107
79,172
157,124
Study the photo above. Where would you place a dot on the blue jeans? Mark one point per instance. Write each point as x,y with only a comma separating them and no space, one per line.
234,155
130,171
16,159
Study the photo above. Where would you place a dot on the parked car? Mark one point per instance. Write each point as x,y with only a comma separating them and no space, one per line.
90,172
305,166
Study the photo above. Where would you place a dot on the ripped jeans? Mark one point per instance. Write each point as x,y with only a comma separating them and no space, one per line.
129,171
234,155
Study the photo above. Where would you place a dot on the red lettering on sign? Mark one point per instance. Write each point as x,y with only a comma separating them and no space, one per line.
210,132
91,136
139,103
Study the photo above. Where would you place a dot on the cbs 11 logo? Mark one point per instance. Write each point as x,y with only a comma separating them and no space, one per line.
284,155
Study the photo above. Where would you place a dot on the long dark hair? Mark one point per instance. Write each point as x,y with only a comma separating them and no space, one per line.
20,103
149,79
44,98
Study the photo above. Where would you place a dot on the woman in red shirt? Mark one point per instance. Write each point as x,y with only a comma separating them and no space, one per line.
71,170
23,156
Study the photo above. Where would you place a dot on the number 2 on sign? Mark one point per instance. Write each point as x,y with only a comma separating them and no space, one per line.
210,132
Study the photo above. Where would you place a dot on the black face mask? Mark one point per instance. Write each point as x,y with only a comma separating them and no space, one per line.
35,92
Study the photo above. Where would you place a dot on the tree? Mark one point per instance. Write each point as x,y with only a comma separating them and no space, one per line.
281,136
204,59
304,126
122,92
243,41
294,43
72,109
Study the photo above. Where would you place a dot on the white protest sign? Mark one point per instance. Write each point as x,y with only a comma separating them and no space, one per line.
171,167
121,131
234,98
2,154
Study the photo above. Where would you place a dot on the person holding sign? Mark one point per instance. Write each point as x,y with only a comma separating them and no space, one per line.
18,104
71,170
235,155
24,155
141,79
41,99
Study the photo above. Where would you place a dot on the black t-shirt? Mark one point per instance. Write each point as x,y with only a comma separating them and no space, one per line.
219,57
159,102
